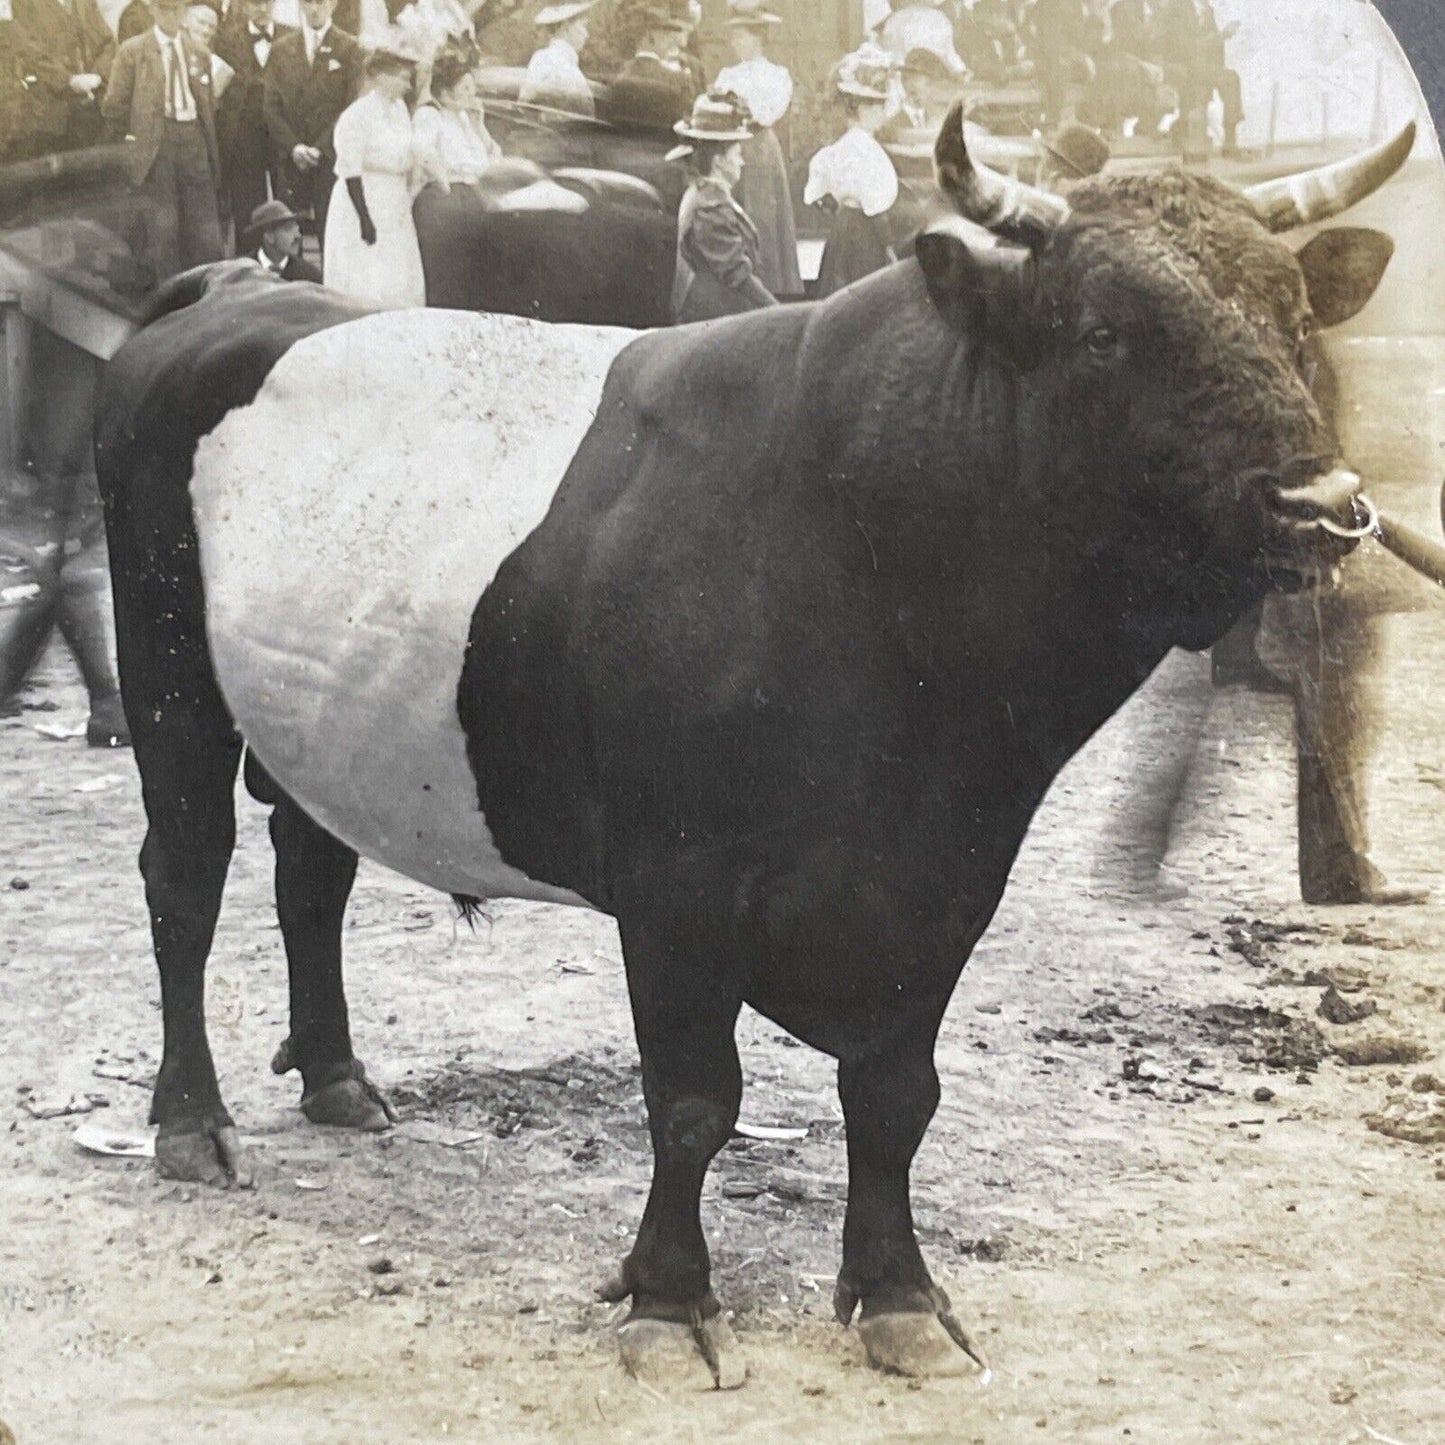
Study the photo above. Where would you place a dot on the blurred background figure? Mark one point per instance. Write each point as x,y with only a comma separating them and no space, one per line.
65,558
1191,50
853,177
989,42
160,97
554,73
928,90
371,251
1065,37
1132,93
310,78
766,90
248,173
453,145
654,89
70,51
273,237
717,244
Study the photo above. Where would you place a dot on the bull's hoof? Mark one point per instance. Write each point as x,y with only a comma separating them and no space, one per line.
350,1104
206,1154
700,1356
915,1345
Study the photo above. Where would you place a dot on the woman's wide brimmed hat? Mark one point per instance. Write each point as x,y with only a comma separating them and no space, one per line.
561,14
391,54
865,73
750,15
718,117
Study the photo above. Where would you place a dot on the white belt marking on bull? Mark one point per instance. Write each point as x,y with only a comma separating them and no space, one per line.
349,520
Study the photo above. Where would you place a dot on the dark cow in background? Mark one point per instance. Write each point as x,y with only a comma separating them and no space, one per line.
826,598
611,264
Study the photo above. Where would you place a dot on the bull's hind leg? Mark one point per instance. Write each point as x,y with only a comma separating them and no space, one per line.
188,775
692,1082
314,874
906,1323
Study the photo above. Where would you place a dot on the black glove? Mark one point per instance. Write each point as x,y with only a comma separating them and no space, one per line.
358,199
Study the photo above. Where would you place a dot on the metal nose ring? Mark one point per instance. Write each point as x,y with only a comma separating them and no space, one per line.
1360,503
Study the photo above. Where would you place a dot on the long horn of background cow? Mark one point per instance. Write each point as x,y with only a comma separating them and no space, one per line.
1317,195
1009,208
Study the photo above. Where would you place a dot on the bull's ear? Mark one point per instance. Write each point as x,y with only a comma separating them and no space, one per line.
1342,270
974,281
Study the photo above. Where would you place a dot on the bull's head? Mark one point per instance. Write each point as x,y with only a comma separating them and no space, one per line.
1159,327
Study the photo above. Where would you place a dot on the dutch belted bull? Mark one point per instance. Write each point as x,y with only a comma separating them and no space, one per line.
765,637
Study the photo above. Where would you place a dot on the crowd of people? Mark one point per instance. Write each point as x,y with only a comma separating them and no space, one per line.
343,119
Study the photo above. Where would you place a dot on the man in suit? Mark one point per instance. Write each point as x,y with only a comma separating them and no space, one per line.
245,44
71,51
653,91
274,239
311,77
159,99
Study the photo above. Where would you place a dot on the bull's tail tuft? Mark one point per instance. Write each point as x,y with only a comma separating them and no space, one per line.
471,910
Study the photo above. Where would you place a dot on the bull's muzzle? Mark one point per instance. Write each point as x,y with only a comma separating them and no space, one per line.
1329,502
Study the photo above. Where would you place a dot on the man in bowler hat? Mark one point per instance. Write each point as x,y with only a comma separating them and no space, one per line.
273,237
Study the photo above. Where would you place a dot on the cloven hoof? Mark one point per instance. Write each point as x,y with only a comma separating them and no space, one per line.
916,1345
208,1155
703,1356
349,1104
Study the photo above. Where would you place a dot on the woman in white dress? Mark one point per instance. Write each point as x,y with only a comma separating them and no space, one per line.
453,145
554,74
453,152
767,89
854,177
370,250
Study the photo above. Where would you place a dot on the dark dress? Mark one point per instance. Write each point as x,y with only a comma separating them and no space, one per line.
764,192
717,257
855,180
857,246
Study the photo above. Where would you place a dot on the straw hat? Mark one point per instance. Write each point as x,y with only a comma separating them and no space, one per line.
750,15
718,117
865,73
561,14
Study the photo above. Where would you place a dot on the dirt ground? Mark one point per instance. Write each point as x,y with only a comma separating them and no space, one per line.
1153,1187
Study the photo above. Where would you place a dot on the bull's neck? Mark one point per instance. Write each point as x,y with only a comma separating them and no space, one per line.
995,570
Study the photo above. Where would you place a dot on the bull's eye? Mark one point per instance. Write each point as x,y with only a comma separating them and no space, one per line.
1102,342
1306,327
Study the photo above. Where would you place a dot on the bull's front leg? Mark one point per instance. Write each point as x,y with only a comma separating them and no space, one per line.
314,875
906,1322
685,1013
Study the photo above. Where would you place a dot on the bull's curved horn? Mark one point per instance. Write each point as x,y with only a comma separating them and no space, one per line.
1009,208
1316,195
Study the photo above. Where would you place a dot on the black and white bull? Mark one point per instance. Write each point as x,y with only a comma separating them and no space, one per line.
786,624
